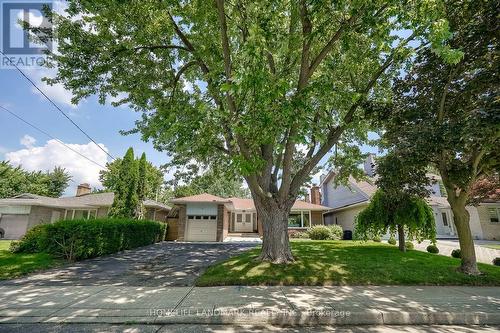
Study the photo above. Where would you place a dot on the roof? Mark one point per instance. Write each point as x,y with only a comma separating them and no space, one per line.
91,200
201,198
241,203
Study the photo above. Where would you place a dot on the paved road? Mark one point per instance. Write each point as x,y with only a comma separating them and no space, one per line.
93,328
159,265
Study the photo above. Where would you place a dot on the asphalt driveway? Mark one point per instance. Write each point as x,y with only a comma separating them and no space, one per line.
159,265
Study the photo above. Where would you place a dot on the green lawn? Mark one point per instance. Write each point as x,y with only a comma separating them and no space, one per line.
346,263
17,264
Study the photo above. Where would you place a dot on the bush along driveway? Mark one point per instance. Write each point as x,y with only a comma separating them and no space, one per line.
346,263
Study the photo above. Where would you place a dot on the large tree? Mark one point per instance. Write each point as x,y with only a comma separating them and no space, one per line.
448,114
244,84
16,180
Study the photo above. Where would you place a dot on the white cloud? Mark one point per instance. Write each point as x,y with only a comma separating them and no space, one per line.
27,141
56,92
54,154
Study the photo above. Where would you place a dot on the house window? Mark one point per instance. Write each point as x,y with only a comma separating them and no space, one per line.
445,219
299,219
74,214
494,215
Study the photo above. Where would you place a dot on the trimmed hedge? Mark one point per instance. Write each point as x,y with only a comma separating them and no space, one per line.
82,239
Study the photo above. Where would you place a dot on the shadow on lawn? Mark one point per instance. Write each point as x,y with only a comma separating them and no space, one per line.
346,263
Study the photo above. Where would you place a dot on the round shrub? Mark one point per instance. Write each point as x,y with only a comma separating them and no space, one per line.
377,239
392,241
319,232
336,232
432,249
456,253
496,261
409,245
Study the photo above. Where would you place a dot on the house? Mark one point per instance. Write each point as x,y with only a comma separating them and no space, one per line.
22,212
207,217
348,200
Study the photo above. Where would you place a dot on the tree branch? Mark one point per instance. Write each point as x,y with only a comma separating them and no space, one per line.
155,47
329,46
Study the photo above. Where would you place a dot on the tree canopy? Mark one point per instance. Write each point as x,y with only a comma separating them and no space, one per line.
447,114
264,88
399,203
153,181
213,181
382,216
126,200
16,180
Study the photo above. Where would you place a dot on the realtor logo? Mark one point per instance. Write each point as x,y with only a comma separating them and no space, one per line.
18,46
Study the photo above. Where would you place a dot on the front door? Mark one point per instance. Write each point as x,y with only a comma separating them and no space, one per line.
243,222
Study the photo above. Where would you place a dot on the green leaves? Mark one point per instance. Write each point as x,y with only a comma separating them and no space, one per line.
15,181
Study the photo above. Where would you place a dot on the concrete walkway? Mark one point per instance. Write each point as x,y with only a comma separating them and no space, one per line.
483,254
237,305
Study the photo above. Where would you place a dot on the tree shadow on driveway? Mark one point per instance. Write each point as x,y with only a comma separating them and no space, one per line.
160,265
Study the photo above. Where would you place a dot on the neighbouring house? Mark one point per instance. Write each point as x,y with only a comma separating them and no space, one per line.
209,218
22,212
346,201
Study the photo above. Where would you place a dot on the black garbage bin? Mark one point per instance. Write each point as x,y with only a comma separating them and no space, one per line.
347,235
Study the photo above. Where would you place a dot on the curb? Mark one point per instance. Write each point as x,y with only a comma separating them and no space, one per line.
370,317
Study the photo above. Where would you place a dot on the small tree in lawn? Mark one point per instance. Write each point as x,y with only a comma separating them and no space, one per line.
126,199
244,84
142,185
398,205
446,114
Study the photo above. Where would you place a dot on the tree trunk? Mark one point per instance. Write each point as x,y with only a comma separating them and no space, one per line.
275,242
401,238
461,219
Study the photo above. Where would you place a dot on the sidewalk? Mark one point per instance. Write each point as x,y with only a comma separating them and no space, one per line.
367,305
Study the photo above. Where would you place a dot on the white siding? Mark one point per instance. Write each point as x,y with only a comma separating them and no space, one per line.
347,217
342,196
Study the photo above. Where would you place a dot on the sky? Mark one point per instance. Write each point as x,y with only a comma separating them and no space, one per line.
22,145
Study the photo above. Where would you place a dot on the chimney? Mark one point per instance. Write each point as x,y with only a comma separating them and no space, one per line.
315,195
83,189
307,197
369,165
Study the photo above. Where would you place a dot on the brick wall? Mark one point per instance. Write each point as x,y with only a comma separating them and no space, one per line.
181,223
221,220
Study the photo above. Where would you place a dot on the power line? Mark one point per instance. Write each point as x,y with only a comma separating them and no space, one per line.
51,136
57,107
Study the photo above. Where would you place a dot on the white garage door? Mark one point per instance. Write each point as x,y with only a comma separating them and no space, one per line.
14,226
201,228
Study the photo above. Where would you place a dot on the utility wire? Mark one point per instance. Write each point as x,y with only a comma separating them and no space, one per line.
50,136
57,107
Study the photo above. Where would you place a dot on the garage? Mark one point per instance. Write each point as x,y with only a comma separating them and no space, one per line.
13,226
201,228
